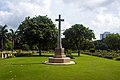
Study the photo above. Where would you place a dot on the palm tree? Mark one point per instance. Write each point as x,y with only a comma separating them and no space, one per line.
13,36
3,32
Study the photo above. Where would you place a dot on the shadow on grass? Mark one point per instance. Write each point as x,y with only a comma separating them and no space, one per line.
41,56
37,56
52,55
21,64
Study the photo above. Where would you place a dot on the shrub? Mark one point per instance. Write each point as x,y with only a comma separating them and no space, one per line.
92,50
74,51
108,50
118,58
99,55
95,54
11,56
19,50
69,54
108,57
25,47
22,54
85,53
118,51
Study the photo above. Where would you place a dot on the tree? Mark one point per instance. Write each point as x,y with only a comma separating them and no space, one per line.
8,44
77,34
86,45
39,31
13,36
100,45
3,32
113,41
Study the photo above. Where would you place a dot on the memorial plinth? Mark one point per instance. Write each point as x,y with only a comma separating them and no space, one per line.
59,57
59,53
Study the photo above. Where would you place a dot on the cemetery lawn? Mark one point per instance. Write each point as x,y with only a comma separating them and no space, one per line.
86,68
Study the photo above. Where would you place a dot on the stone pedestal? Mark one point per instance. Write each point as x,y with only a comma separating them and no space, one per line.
59,53
59,58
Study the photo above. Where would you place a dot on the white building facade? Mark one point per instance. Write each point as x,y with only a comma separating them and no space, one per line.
104,35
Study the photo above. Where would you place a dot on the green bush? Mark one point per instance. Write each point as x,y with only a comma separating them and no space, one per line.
109,50
85,53
118,58
12,56
99,55
108,57
22,54
95,54
18,50
25,47
69,54
92,50
74,51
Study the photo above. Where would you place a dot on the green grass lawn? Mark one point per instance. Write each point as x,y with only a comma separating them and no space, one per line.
87,68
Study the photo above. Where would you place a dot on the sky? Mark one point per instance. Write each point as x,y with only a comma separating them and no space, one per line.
99,15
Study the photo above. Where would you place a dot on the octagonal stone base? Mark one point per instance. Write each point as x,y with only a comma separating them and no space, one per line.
59,61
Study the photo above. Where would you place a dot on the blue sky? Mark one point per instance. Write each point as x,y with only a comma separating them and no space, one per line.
98,15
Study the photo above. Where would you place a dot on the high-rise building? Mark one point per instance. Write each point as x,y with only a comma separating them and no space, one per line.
104,35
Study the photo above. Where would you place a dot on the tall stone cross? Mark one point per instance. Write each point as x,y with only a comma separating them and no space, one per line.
59,57
59,45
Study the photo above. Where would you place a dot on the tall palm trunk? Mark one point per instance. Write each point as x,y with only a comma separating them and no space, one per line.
2,44
3,33
12,45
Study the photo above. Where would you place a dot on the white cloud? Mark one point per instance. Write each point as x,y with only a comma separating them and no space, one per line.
99,15
14,12
105,21
89,4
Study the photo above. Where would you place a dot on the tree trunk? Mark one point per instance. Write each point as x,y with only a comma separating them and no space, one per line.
78,52
40,52
39,48
12,45
78,49
2,44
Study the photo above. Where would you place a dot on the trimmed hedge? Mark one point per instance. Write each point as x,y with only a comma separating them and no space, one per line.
105,54
118,58
22,54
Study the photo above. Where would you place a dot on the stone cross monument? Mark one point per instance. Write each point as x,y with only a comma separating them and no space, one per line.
59,51
59,31
59,57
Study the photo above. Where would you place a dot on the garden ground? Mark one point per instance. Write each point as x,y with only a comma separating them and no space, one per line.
86,68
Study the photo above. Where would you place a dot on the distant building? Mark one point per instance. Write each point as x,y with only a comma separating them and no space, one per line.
104,35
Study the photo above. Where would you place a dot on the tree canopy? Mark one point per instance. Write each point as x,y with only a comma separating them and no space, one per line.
100,45
39,31
3,33
113,41
77,34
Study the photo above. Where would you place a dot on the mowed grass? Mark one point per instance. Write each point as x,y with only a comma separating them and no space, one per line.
86,68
